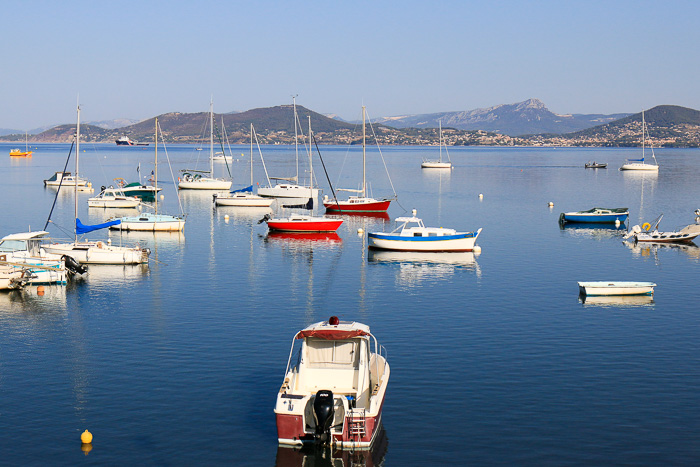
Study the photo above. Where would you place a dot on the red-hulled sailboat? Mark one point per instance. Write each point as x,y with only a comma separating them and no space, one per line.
302,223
334,394
360,203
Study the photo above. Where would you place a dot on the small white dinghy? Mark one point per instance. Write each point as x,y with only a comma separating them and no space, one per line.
616,288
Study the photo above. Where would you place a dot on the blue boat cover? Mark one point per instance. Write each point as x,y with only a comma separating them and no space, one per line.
81,228
636,160
248,188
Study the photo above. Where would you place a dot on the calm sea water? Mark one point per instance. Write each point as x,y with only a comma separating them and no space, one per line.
495,360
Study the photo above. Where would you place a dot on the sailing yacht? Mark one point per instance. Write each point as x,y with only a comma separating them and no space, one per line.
290,188
152,221
95,252
639,164
244,197
362,202
200,179
438,164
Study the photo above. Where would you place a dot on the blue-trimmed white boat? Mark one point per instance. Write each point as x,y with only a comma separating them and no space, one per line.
596,216
413,235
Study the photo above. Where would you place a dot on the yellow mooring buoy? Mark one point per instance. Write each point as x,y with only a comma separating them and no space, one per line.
86,437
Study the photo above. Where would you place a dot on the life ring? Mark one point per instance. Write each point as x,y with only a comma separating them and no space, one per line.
646,226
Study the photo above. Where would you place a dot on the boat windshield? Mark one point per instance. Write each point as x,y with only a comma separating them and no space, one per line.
13,245
323,353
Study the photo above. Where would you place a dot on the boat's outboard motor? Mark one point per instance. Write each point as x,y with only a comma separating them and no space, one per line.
323,414
266,217
73,266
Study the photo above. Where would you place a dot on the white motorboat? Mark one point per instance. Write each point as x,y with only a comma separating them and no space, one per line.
111,197
12,278
201,179
438,164
94,252
65,179
25,250
245,197
152,222
288,187
649,232
639,164
413,235
334,394
616,288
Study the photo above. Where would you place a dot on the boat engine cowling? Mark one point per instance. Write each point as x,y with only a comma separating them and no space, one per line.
323,415
74,266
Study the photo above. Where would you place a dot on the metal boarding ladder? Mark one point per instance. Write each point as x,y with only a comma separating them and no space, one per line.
357,423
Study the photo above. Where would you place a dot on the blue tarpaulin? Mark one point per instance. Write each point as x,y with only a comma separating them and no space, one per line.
81,228
248,188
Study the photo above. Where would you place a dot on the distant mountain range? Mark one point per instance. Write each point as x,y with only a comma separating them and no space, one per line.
537,126
524,118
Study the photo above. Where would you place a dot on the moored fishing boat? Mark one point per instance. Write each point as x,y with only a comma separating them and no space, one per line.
596,216
413,235
18,152
649,232
616,288
111,197
334,394
302,223
596,165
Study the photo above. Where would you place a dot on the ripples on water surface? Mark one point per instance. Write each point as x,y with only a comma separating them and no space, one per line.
495,359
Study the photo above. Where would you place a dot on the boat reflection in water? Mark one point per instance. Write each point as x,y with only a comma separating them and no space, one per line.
594,230
306,240
51,299
312,456
652,250
616,300
415,266
115,275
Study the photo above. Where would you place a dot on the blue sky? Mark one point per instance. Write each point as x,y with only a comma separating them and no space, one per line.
137,59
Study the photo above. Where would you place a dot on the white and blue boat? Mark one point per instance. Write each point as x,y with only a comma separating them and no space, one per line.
413,235
596,215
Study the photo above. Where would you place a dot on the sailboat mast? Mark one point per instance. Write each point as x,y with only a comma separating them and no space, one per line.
644,129
296,142
364,168
251,154
155,171
440,125
211,138
77,156
311,167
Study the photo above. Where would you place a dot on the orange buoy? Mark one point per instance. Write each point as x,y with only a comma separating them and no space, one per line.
40,290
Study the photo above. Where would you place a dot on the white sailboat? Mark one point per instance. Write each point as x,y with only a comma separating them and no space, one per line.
152,221
438,164
203,180
94,252
290,188
245,197
639,164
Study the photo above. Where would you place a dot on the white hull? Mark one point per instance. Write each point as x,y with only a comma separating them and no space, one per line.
640,166
205,184
175,225
113,203
288,191
99,253
616,288
244,201
462,244
436,165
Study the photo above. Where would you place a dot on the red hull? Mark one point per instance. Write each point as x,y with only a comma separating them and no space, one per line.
345,207
304,226
291,427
